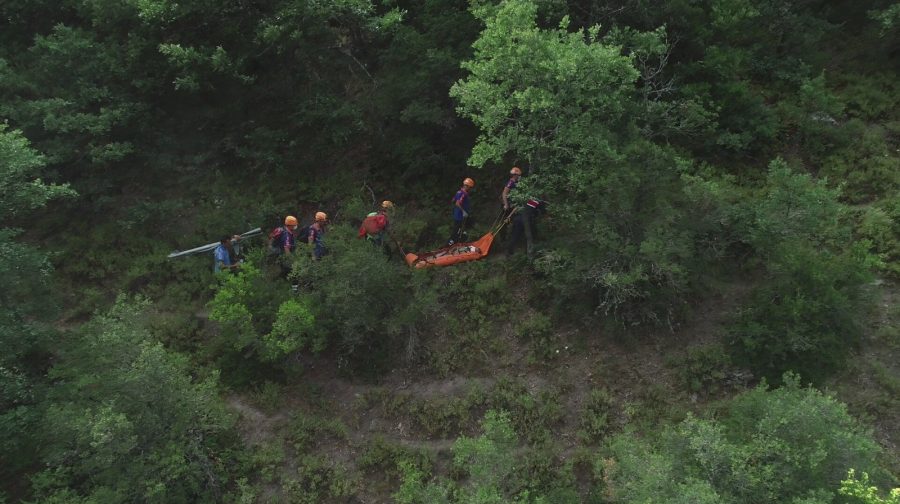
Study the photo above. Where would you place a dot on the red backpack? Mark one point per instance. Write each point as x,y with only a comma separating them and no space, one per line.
372,225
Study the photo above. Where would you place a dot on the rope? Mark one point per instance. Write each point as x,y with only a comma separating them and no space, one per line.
504,222
397,243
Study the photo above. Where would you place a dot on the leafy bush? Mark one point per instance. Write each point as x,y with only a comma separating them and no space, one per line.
867,164
257,317
145,426
860,490
705,368
490,469
531,415
363,303
291,331
537,329
803,315
595,419
317,480
396,460
880,224
305,431
773,446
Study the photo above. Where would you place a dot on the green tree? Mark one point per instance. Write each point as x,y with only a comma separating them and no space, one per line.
258,319
487,461
28,302
803,316
865,494
781,445
568,105
130,421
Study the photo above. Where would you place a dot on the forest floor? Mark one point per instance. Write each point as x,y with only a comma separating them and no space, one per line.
870,384
353,426
410,408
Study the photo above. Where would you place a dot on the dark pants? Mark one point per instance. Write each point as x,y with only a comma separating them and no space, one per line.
319,249
523,224
456,232
378,242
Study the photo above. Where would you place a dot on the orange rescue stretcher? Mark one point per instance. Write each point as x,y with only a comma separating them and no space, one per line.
460,252
456,253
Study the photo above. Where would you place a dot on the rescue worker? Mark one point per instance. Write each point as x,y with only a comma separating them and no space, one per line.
236,251
375,225
224,256
514,175
316,235
523,223
282,240
461,208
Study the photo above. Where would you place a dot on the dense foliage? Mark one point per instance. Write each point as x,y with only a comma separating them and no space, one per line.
786,445
741,155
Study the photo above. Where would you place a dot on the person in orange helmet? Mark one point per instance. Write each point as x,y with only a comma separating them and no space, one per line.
514,175
376,226
316,235
283,239
461,208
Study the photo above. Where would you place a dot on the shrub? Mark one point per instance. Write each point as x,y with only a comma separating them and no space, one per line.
362,302
865,494
537,329
595,419
803,314
317,480
704,368
532,415
771,446
305,431
880,224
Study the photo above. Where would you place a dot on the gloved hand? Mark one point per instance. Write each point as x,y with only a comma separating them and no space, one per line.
465,214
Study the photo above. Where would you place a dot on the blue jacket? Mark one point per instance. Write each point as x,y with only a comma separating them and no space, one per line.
221,256
463,197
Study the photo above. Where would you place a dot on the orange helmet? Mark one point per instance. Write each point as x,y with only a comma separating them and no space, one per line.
515,171
290,220
468,182
387,204
321,217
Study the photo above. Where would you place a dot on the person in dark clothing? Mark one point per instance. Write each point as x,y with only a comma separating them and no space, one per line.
283,239
236,250
461,208
316,236
514,175
376,227
523,224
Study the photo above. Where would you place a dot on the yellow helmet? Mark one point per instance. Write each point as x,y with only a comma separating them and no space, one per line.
468,182
387,205
290,220
321,217
515,171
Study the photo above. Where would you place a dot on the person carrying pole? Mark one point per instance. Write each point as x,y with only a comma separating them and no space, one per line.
236,250
316,234
461,208
224,256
